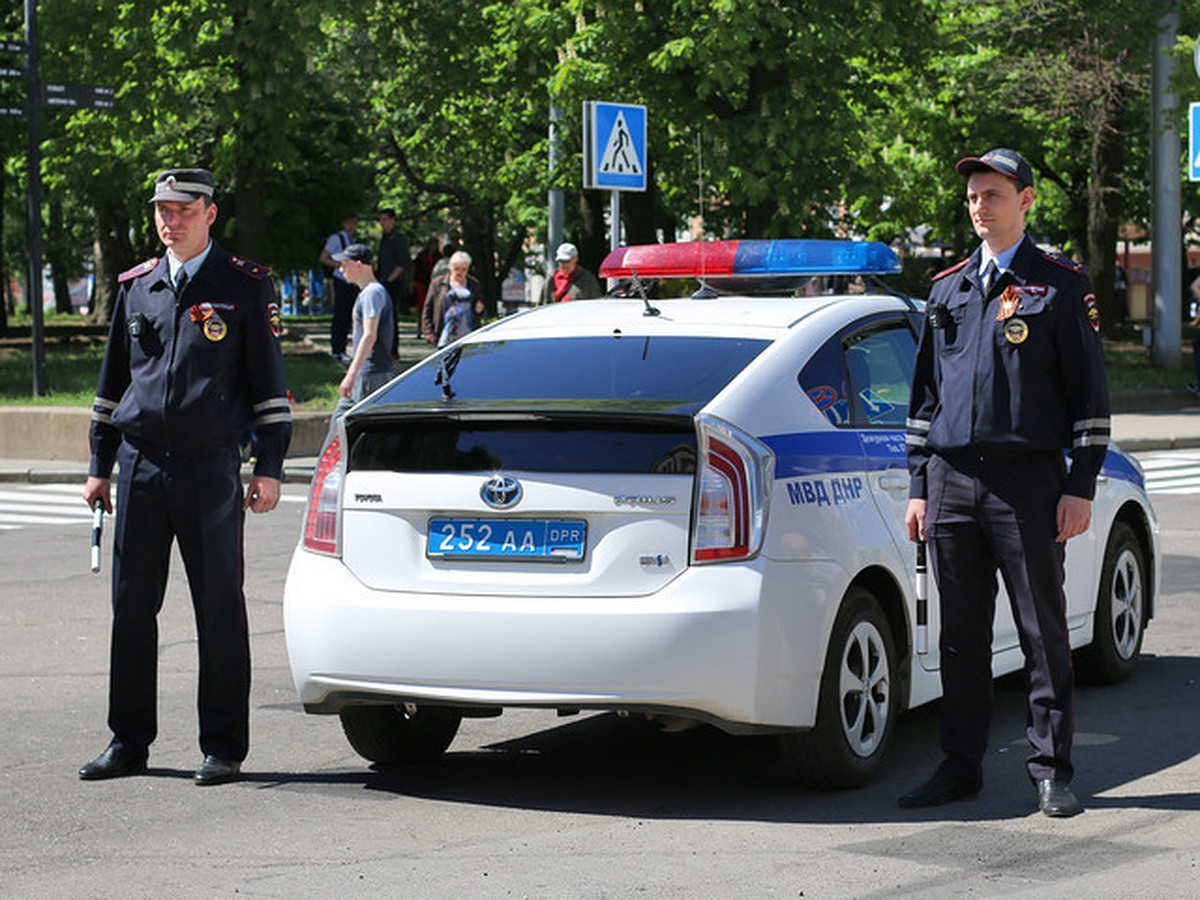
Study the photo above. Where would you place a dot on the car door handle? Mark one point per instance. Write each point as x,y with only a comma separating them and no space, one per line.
893,482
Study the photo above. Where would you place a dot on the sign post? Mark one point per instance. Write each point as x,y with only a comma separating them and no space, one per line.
614,153
71,96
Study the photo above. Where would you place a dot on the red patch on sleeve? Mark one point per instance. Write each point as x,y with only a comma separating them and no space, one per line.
1092,311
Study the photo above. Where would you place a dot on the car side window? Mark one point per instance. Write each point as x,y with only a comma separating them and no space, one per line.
862,377
880,365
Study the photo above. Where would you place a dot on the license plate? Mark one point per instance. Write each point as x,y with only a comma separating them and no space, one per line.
534,539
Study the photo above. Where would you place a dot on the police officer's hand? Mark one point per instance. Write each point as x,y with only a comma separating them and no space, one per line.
262,495
98,489
1074,516
914,519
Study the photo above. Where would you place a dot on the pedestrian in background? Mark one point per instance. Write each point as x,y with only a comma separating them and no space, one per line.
571,281
394,270
192,362
343,291
370,366
1009,374
454,303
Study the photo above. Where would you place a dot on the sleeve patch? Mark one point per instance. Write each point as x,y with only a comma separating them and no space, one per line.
275,318
140,269
246,267
1092,311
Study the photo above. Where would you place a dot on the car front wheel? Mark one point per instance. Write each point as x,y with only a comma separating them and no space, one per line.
401,734
856,709
1120,617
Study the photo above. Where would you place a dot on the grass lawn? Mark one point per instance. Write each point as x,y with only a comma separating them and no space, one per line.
73,363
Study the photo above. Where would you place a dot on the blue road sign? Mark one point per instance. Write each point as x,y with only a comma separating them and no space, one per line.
614,146
1194,141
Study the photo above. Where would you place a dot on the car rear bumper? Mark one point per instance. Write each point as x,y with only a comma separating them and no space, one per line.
702,646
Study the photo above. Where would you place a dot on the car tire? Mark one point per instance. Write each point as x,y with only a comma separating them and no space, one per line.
1120,617
404,734
856,710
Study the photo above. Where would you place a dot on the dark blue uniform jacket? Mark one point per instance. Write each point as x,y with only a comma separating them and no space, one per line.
190,375
1032,381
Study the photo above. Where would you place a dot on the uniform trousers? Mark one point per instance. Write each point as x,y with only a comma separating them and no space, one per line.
989,512
197,501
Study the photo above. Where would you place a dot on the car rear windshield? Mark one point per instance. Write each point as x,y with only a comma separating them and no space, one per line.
681,372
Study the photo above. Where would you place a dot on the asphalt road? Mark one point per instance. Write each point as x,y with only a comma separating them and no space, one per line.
531,805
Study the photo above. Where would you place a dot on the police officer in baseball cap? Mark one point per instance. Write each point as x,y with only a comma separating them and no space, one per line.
1009,374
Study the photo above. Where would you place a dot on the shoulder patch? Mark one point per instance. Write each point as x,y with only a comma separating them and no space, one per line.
950,271
1065,262
140,269
246,267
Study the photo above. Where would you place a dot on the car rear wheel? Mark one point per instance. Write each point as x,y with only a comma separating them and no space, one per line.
855,711
1120,617
402,734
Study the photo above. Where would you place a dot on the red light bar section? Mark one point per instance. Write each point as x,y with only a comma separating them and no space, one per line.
685,260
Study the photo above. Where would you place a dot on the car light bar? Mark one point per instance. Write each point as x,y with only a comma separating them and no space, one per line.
715,259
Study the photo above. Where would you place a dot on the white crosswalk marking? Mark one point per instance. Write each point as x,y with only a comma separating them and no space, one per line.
22,505
1172,472
42,504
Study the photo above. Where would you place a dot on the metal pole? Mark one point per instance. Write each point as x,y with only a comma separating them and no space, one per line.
1166,225
557,211
33,158
615,215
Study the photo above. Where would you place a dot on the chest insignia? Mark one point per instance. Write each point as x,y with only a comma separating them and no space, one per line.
210,322
1015,331
1008,304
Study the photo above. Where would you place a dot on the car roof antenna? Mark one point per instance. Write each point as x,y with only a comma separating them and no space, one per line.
641,289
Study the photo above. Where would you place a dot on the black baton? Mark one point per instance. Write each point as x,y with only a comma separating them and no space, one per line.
922,601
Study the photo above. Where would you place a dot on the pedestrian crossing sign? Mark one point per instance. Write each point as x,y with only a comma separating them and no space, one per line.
1194,141
614,146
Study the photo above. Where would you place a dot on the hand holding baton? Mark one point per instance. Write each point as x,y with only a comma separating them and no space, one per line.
97,530
922,601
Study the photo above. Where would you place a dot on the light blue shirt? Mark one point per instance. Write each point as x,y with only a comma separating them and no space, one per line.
192,266
1003,259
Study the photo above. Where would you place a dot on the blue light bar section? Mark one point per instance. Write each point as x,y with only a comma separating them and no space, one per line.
805,257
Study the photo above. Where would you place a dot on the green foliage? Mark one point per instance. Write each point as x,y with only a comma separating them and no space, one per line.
767,118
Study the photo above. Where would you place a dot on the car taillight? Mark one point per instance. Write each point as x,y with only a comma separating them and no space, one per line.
732,492
321,532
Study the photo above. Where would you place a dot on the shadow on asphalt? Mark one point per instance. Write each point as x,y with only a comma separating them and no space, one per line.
605,764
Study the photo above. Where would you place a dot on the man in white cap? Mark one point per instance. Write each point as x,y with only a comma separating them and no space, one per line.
570,281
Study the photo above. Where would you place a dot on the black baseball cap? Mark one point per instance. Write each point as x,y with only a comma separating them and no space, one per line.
1008,163
357,252
183,185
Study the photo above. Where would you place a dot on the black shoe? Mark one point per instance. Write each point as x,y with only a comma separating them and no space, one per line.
1057,800
114,762
215,770
943,787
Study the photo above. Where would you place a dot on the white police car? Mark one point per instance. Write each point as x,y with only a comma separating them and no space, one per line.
689,508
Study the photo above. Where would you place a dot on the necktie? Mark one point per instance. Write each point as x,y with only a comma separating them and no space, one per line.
181,280
989,277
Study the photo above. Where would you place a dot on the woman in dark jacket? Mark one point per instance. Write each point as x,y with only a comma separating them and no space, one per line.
456,293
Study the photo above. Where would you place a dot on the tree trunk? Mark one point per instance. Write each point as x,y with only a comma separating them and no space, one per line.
1104,203
249,234
113,254
54,258
479,239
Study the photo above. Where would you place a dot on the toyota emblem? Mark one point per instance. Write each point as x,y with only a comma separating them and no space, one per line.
501,492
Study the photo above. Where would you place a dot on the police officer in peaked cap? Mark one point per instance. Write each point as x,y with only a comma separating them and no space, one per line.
1009,375
192,363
